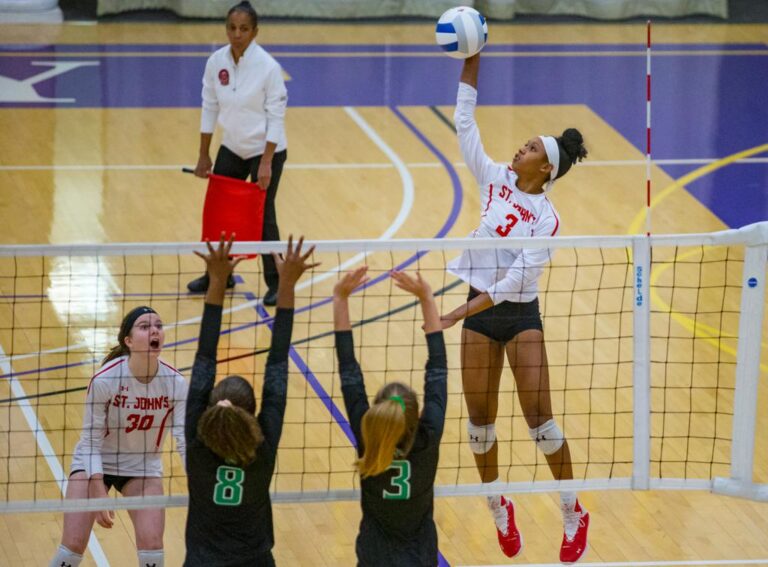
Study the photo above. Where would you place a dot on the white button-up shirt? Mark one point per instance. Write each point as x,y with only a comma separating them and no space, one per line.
247,99
509,274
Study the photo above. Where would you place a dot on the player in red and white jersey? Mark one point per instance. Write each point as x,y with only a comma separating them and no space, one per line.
132,403
501,315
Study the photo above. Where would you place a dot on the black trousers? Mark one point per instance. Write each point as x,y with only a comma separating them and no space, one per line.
231,165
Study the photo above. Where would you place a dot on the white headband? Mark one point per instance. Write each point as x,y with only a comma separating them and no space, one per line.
553,156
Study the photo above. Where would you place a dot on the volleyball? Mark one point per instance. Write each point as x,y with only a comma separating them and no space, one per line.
461,32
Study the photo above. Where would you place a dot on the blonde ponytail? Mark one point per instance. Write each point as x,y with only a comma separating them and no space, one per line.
383,426
388,428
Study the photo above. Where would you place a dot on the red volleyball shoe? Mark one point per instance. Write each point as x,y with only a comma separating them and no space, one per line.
510,539
574,544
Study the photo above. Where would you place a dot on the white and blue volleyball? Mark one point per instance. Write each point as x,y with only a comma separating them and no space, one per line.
461,32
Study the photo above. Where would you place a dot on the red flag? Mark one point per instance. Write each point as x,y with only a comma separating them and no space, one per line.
233,205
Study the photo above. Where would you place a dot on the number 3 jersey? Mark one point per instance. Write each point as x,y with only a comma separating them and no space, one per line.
397,527
126,421
509,274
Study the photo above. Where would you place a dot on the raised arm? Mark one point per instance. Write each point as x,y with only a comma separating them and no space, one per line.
290,267
352,385
436,375
219,267
479,163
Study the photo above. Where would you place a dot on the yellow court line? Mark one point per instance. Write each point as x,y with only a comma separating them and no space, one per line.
699,330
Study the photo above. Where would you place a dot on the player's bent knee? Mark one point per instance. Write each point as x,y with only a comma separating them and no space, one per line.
548,437
481,437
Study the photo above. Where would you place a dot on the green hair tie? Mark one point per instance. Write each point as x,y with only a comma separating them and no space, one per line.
399,400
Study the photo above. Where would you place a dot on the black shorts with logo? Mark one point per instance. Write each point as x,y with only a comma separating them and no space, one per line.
504,321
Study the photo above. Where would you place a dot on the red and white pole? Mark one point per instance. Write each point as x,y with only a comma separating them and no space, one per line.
648,132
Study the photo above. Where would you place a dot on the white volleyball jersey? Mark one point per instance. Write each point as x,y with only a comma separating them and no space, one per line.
126,422
509,274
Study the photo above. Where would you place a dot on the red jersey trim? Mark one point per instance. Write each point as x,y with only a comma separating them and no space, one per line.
162,428
168,366
100,372
490,197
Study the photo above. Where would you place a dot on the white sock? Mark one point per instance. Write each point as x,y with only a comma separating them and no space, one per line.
568,501
151,558
494,501
65,558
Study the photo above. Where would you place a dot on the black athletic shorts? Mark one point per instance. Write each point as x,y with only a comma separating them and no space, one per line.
504,321
111,480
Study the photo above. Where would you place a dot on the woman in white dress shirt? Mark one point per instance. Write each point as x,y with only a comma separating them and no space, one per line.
501,315
244,93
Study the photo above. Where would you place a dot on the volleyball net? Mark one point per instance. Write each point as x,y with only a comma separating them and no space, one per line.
654,345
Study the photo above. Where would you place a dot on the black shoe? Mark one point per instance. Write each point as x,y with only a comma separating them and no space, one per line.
200,285
270,299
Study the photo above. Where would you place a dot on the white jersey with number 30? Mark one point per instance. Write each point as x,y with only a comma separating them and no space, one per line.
509,274
126,421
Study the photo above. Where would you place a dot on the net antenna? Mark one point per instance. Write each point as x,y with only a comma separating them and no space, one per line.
648,130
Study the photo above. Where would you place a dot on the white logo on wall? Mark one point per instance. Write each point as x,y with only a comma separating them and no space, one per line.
13,90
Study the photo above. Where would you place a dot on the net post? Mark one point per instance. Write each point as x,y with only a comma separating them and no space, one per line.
641,371
747,377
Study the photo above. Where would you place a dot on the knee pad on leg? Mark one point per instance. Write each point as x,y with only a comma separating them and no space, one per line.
548,437
481,437
151,558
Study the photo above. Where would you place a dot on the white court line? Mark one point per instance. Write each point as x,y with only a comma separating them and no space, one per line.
408,191
642,563
46,449
414,165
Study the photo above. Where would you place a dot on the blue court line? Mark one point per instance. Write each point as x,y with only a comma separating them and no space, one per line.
312,380
96,49
148,295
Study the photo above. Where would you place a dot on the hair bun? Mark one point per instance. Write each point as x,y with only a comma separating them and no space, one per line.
573,144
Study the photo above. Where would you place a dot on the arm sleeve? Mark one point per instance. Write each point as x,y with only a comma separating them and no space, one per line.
527,267
435,385
210,112
94,420
482,167
179,413
275,390
203,370
275,104
352,385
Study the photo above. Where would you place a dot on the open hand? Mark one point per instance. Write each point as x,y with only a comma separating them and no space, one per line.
414,285
350,281
293,263
218,263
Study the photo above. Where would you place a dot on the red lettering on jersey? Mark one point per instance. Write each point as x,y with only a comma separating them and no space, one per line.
119,401
160,402
505,193
525,214
224,77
